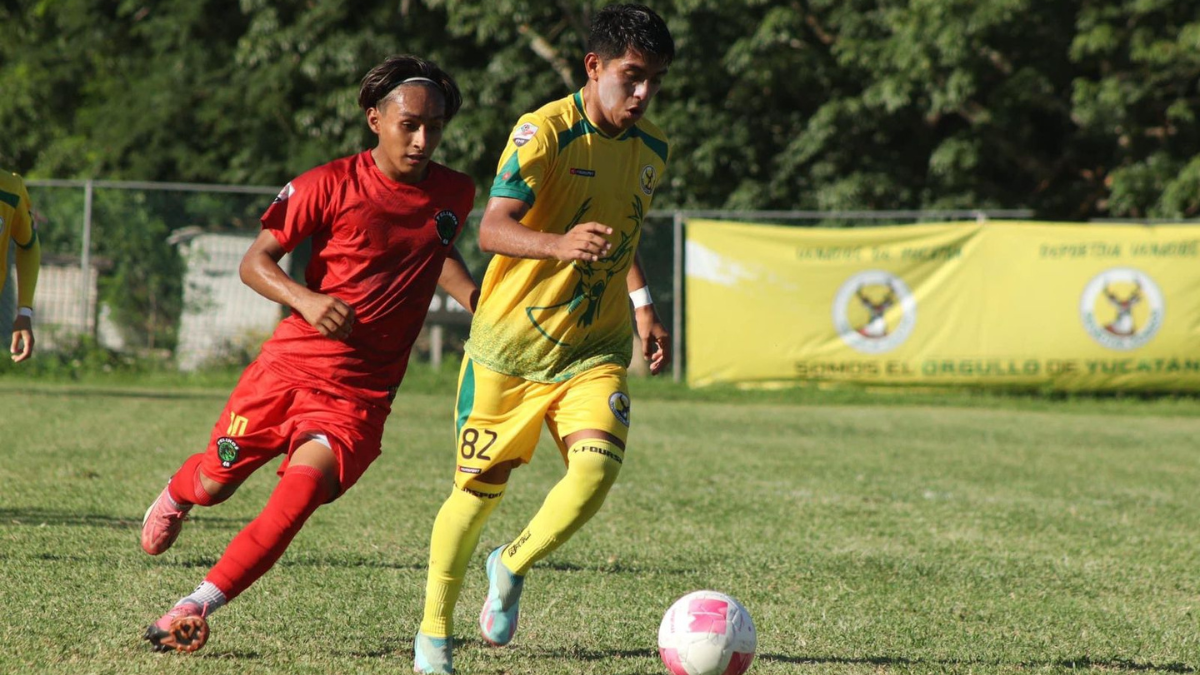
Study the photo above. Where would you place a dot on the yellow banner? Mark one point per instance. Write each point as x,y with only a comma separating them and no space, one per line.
1063,306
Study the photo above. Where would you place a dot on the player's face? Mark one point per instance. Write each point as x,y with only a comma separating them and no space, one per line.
624,86
409,123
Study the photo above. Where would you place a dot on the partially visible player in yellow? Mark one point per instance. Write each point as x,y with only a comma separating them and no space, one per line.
551,338
16,225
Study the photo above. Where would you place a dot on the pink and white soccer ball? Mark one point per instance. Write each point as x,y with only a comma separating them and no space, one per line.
707,633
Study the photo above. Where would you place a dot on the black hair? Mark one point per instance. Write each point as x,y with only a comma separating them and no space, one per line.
620,28
385,77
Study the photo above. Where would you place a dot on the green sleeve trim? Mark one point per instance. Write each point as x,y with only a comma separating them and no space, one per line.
509,182
28,245
9,198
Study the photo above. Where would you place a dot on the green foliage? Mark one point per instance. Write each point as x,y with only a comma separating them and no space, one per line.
75,361
1075,109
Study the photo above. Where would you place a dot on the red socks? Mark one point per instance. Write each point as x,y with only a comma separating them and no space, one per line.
260,544
185,486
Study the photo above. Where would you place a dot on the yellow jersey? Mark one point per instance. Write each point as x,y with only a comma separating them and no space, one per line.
547,320
16,224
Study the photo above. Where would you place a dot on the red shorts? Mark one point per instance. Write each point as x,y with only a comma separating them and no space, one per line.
269,415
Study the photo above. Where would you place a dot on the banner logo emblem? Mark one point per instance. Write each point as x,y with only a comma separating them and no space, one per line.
874,312
1121,308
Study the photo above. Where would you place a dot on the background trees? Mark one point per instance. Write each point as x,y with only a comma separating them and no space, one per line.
1076,109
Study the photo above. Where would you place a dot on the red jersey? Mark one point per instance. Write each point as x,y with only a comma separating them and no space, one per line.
377,245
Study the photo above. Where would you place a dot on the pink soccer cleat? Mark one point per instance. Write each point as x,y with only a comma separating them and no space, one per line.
183,629
162,523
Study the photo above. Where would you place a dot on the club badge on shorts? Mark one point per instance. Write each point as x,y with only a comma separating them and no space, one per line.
619,403
227,451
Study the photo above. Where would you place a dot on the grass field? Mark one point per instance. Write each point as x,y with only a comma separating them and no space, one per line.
865,533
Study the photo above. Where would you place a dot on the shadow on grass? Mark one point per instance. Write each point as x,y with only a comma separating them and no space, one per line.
113,392
228,655
614,568
1113,665
37,517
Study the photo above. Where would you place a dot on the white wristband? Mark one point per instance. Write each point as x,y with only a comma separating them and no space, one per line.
25,311
641,297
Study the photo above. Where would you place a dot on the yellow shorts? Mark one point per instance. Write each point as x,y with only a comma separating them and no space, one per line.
498,418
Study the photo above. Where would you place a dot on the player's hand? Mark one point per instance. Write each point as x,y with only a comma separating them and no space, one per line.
656,341
330,316
585,242
22,339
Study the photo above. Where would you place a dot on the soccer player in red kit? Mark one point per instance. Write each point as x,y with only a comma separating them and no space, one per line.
383,225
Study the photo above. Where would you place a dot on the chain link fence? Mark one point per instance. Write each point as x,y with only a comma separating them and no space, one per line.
150,269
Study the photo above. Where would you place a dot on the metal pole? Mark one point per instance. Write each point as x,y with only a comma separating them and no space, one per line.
85,258
677,305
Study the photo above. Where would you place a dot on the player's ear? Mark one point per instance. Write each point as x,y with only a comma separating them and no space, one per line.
592,65
373,116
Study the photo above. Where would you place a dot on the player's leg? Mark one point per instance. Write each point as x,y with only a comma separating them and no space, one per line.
590,420
334,441
309,481
498,421
233,453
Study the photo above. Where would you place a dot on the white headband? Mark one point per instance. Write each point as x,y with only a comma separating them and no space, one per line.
419,79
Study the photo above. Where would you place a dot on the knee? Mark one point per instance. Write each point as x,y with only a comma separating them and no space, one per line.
595,464
209,492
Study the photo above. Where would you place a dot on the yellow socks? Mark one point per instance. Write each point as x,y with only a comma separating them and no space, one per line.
455,535
592,467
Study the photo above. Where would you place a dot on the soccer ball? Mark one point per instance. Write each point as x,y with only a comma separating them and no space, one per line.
707,633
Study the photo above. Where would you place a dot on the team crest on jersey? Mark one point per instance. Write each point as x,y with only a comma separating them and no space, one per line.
447,225
648,178
619,403
524,134
286,192
227,451
1122,308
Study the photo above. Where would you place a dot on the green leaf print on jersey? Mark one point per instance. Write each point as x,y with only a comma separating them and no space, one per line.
594,277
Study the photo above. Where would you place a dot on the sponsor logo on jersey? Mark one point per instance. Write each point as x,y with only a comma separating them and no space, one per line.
524,134
469,469
1122,308
648,179
286,192
586,173
619,403
227,451
874,312
447,225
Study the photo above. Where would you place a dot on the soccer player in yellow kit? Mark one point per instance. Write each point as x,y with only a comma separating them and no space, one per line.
551,338
16,225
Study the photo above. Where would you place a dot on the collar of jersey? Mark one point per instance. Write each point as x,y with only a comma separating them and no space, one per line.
590,128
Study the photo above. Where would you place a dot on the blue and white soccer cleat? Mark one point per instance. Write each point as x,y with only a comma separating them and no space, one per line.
498,620
433,654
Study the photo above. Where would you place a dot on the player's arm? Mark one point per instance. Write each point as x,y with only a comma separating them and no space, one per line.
456,280
29,263
501,232
656,341
260,271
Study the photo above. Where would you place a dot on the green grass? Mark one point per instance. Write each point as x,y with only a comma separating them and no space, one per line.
866,533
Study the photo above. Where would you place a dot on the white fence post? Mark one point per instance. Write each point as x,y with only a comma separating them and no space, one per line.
85,258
